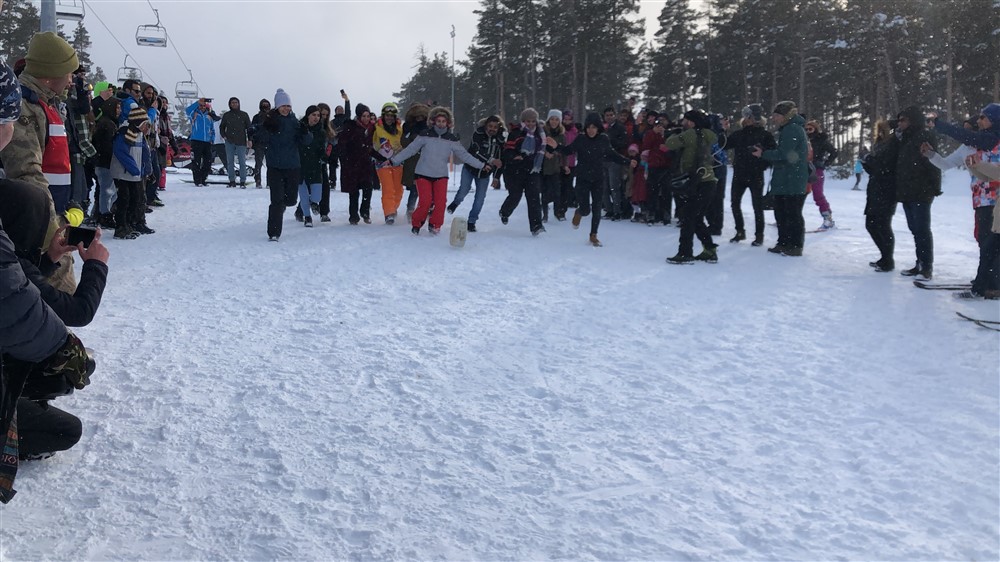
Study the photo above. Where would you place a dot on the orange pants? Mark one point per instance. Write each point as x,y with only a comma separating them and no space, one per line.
391,178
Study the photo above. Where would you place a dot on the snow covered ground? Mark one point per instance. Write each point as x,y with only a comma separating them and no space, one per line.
359,393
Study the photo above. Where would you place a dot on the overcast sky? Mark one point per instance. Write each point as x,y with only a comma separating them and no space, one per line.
312,49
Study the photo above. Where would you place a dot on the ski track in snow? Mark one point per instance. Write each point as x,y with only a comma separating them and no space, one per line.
359,393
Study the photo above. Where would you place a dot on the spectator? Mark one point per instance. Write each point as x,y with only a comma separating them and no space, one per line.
880,203
695,147
824,155
104,137
613,175
790,162
202,138
748,171
257,135
233,129
131,165
918,182
554,166
38,152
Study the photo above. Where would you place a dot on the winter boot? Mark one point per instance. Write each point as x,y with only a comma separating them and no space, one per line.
827,221
912,272
681,259
708,255
740,235
594,241
452,208
307,222
778,249
577,217
758,240
298,214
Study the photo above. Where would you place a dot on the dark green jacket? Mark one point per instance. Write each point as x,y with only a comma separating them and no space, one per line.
790,161
686,142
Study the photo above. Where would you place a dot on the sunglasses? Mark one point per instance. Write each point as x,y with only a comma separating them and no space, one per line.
392,111
136,91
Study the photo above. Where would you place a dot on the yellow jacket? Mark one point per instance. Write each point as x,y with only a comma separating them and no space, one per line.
386,143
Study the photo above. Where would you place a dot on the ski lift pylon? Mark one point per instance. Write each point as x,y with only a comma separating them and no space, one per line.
71,10
151,35
127,72
187,89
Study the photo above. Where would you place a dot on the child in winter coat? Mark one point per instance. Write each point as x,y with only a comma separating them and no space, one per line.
131,164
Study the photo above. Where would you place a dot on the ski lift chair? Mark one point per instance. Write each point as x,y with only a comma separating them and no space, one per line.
126,72
151,35
187,89
70,10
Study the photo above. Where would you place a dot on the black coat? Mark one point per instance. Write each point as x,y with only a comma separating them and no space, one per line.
79,308
283,136
880,164
485,148
917,180
591,154
742,143
618,136
824,154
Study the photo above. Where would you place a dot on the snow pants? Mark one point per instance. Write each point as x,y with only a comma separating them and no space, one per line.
44,429
391,178
431,190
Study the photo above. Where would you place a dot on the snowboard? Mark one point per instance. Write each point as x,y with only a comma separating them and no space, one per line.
459,231
988,324
932,286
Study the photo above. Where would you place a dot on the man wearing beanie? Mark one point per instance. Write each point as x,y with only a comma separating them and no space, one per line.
790,163
38,152
695,147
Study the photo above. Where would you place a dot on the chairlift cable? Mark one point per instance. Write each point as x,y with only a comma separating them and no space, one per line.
172,43
145,73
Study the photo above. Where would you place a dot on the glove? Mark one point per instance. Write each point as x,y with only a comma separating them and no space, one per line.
71,361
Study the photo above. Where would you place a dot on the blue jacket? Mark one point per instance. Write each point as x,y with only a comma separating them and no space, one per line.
202,124
132,161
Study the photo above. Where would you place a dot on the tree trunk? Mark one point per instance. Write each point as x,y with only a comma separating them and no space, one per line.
949,93
746,88
802,83
890,82
586,67
774,80
575,92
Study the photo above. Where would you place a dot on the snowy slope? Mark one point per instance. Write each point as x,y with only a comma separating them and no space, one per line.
360,393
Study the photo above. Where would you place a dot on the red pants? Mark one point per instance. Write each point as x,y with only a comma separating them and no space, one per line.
428,190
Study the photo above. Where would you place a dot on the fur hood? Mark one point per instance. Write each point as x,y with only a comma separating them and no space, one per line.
416,112
440,110
481,124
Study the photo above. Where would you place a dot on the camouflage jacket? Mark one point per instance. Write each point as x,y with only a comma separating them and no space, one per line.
22,158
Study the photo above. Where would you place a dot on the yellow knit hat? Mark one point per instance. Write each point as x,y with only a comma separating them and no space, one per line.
50,56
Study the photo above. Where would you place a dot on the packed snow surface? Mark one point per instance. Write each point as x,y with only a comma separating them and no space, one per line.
360,393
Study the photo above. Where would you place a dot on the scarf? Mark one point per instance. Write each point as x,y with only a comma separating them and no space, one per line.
534,147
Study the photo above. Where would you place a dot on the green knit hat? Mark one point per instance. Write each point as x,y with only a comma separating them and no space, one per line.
50,56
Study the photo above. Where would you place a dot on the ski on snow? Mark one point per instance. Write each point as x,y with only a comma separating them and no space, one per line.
988,324
932,286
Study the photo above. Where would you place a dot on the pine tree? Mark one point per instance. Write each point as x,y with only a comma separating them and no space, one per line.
81,42
672,77
19,20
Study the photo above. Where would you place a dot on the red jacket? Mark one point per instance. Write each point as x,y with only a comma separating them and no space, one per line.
657,157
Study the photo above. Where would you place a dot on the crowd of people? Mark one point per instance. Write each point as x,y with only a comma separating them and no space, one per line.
71,153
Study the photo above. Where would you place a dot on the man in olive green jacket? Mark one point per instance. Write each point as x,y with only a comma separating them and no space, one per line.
790,164
695,146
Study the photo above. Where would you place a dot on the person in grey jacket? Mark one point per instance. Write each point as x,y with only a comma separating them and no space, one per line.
435,146
233,128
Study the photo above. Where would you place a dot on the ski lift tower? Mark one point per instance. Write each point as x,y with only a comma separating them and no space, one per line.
66,10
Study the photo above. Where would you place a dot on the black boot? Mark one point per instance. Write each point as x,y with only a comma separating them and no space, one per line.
740,235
